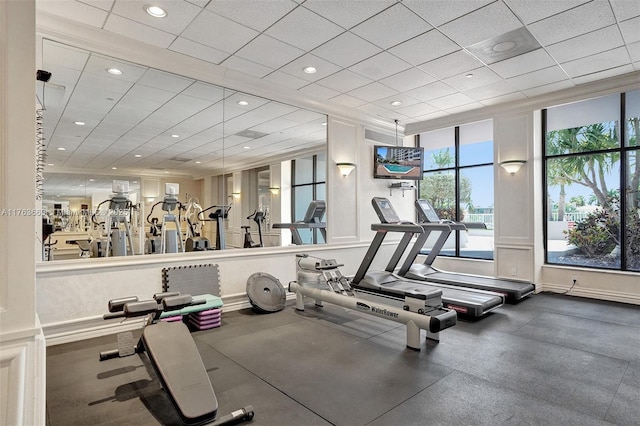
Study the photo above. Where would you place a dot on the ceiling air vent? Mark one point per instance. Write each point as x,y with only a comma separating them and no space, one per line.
181,159
251,134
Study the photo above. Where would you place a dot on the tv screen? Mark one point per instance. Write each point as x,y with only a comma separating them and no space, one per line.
397,162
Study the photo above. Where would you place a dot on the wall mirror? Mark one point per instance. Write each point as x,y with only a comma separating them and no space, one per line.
105,119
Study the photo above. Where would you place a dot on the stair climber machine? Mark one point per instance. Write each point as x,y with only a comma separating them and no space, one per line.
218,215
118,241
170,350
470,303
513,291
170,239
195,241
258,218
419,309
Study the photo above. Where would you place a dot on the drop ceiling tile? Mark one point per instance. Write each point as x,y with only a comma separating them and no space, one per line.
538,78
417,110
198,51
608,73
397,97
323,68
372,92
247,67
409,79
256,14
218,32
451,101
205,91
344,81
479,77
165,81
347,13
631,30
522,64
529,11
100,4
146,97
381,112
137,31
424,48
588,44
179,14
438,12
482,24
348,101
268,51
489,91
286,80
599,62
319,91
430,91
76,11
380,66
548,88
125,115
463,108
625,9
346,50
572,23
392,26
304,29
634,51
199,3
304,116
509,97
55,53
98,64
451,64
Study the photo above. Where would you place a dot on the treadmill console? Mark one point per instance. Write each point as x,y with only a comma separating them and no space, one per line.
426,212
385,210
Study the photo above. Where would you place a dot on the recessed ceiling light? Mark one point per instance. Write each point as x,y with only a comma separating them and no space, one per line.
81,184
92,180
79,123
243,103
324,124
137,155
155,11
166,172
135,181
198,162
504,46
175,136
114,168
396,103
50,164
114,71
309,70
246,147
62,148
469,75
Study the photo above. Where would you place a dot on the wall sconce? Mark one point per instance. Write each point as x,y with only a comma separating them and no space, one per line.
512,166
149,200
274,190
235,195
345,168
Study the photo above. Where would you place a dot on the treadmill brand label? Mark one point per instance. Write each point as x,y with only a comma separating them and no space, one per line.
384,312
363,306
456,308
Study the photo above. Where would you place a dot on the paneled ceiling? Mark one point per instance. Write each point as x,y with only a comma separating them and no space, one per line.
410,60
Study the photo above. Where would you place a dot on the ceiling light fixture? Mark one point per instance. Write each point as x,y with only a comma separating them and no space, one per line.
175,136
51,164
137,155
62,148
92,180
114,168
198,162
114,71
243,103
396,103
469,75
79,123
504,46
309,70
246,147
155,11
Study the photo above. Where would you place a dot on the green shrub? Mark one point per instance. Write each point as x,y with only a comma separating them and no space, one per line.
597,234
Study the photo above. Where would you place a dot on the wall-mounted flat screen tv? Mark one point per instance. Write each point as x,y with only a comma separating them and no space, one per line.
397,162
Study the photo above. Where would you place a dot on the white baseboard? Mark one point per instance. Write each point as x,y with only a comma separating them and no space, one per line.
613,296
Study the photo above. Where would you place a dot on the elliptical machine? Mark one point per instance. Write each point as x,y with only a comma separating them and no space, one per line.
258,217
170,239
195,241
118,241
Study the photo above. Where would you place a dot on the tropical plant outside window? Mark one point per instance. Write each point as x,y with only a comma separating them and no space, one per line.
589,223
458,181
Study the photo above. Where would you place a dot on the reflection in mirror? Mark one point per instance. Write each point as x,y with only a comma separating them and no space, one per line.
163,128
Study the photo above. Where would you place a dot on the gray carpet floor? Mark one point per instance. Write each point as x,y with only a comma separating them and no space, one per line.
549,360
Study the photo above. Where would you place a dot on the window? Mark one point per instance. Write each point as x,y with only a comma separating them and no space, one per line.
458,181
586,166
308,184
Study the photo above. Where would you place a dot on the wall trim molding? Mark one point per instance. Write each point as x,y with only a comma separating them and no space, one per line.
613,296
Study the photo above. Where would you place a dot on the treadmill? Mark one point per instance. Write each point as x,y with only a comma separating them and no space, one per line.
466,302
513,291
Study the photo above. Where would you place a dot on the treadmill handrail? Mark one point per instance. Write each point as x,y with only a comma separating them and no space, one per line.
398,227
